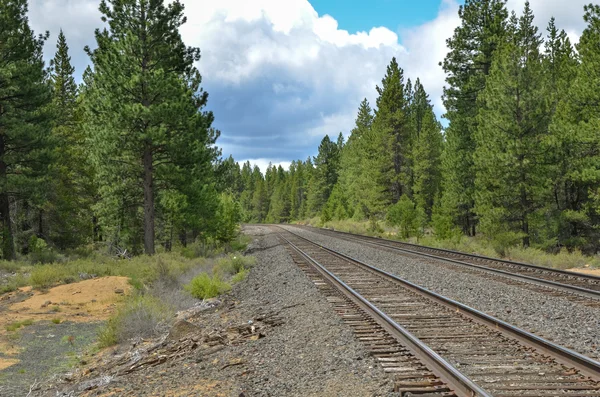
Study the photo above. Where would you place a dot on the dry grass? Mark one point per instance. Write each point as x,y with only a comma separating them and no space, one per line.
476,245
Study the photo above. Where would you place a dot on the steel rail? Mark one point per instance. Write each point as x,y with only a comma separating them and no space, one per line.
434,362
573,289
584,364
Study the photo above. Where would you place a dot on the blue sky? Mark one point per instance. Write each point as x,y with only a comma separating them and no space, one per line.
281,74
360,15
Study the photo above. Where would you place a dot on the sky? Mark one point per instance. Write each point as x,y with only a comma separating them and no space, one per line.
281,74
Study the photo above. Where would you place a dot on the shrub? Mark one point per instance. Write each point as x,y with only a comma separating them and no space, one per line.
234,263
45,276
240,276
18,324
39,252
203,286
142,316
406,216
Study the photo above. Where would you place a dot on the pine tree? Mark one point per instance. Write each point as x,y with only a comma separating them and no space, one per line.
71,192
575,135
482,29
148,133
427,149
512,175
325,175
353,179
392,136
24,121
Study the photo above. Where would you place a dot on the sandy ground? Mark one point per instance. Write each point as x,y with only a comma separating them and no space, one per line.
593,272
86,301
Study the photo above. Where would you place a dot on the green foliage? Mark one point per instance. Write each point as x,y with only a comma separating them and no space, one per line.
25,142
512,176
240,276
204,287
12,327
150,140
404,215
39,252
234,263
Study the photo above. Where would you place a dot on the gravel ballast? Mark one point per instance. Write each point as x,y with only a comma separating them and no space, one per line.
297,346
569,324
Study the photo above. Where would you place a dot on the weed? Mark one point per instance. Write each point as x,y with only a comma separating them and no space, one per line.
56,309
240,276
141,316
234,263
56,321
18,324
203,286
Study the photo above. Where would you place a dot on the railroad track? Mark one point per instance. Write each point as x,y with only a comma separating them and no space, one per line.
434,345
579,288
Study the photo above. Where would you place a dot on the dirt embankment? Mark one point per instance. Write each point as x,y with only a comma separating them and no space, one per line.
43,332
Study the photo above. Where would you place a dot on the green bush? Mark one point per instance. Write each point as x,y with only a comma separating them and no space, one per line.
39,252
404,215
240,276
203,286
234,263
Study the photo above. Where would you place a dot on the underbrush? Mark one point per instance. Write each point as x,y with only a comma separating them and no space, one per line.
473,245
149,311
141,316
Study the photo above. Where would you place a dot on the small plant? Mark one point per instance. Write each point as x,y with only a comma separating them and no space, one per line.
56,309
56,321
18,324
240,276
234,263
203,286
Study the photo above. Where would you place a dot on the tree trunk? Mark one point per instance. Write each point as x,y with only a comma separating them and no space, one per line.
183,237
8,244
41,224
148,203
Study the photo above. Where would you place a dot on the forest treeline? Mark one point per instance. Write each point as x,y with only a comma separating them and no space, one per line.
127,158
519,160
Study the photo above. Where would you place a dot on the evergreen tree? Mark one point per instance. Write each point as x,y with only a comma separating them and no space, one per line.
512,176
149,136
472,47
354,178
427,149
392,134
24,120
575,136
325,175
67,212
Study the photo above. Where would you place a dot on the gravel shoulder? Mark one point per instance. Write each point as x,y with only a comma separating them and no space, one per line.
273,335
569,324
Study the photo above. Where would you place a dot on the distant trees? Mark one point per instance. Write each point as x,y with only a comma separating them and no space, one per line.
518,162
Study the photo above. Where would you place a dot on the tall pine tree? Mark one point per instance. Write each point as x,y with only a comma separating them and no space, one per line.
467,65
510,158
24,119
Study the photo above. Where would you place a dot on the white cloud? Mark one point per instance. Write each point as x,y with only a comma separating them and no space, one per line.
263,164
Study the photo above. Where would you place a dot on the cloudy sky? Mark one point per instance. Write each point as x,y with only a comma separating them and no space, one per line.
282,74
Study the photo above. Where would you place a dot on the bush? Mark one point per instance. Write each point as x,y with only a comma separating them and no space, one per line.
142,316
45,276
406,216
203,286
234,263
39,252
240,276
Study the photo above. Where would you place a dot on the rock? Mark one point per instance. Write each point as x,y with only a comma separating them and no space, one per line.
182,328
46,304
119,291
